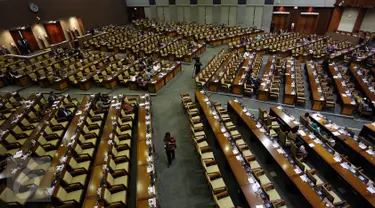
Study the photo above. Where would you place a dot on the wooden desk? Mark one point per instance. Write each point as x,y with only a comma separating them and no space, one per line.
161,79
264,88
91,198
238,83
311,196
215,81
143,175
362,85
368,132
318,100
347,106
239,172
347,175
289,93
21,112
345,139
61,151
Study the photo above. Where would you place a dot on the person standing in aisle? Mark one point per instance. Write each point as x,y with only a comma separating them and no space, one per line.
170,146
197,66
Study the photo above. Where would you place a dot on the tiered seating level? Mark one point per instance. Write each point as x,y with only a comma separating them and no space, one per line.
238,156
146,173
256,66
293,167
224,76
321,145
108,184
318,100
240,79
209,70
213,175
348,104
43,144
67,169
270,84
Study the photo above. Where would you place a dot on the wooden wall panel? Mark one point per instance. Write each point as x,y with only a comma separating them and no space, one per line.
335,19
359,20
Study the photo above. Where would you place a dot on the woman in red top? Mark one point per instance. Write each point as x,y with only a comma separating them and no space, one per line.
170,146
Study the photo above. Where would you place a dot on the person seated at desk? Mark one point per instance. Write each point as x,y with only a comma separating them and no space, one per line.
315,128
51,98
301,150
260,37
102,106
292,135
140,81
307,118
148,74
64,113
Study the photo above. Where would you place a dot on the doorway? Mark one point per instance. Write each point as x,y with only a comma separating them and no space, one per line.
307,22
136,13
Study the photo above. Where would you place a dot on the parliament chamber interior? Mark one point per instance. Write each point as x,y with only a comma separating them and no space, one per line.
187,103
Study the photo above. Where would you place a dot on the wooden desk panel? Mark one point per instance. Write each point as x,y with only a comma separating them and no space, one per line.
49,176
310,195
347,107
355,182
238,83
264,88
318,101
348,141
289,94
368,132
362,85
239,172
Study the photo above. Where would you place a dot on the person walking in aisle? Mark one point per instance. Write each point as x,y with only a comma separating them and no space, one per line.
170,146
197,67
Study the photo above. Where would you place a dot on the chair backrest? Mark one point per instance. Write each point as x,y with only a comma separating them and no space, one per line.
311,177
110,178
61,194
299,164
40,151
107,196
72,162
282,137
293,149
67,177
327,194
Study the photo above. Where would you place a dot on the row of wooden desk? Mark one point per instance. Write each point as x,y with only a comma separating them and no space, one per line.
310,195
241,78
348,104
40,194
238,170
264,88
226,40
146,173
290,82
318,100
364,87
346,174
159,80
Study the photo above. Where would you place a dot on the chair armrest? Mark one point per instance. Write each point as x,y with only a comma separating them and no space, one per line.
267,186
121,159
116,205
12,145
123,137
205,149
93,126
96,118
89,135
73,187
125,127
87,145
61,119
118,174
222,194
117,188
57,127
49,147
83,158
210,162
270,186
78,171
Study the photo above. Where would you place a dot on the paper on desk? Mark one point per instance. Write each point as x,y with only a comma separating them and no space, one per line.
370,152
312,136
336,133
371,189
312,145
302,133
275,145
344,165
337,158
362,146
281,151
259,206
297,171
304,177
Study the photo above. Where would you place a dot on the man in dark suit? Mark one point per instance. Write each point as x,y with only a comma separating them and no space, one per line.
64,113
